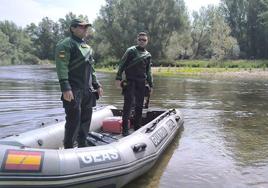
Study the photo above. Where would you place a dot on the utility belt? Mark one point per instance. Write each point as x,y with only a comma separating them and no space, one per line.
94,92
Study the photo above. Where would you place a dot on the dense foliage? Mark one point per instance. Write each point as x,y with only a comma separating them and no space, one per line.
234,29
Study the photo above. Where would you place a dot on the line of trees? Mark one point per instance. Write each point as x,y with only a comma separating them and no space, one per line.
234,29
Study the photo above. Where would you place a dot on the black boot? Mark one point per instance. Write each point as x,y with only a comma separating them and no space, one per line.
125,133
125,130
136,127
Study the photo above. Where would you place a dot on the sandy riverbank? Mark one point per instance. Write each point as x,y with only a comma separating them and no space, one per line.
213,72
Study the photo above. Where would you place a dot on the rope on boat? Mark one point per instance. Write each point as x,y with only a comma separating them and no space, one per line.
170,112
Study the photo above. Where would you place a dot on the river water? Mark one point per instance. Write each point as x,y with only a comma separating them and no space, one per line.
224,142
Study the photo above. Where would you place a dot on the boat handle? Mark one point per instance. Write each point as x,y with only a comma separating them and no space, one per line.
139,147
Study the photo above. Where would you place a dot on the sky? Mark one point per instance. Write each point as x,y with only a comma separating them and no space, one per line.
24,12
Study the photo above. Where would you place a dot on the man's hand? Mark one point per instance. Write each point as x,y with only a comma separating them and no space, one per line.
68,95
151,90
100,91
118,84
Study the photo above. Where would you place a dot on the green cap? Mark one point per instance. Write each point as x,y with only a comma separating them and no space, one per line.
78,21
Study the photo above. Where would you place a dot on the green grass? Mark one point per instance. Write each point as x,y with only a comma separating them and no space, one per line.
244,64
168,71
196,67
106,69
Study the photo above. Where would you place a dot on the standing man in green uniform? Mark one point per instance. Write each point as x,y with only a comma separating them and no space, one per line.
74,64
136,63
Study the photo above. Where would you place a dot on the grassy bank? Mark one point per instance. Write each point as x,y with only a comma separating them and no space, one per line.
37,62
238,68
242,64
199,63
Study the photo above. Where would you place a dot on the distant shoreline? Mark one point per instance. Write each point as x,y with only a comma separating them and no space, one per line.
234,73
212,72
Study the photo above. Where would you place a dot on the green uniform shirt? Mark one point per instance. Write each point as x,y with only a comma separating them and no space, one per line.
136,63
74,64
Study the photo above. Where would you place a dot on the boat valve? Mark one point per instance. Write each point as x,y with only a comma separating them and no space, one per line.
177,118
40,142
139,147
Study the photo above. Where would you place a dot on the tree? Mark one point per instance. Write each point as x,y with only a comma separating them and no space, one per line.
222,45
264,14
120,21
211,35
235,14
257,37
5,46
43,38
200,32
48,33
180,45
19,46
246,19
16,36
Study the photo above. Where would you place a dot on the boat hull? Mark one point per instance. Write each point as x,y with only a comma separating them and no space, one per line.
26,163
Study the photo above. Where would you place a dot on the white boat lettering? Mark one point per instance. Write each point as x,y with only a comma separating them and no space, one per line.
86,159
114,155
106,156
171,124
98,157
159,136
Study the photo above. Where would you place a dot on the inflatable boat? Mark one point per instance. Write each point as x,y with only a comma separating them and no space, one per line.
37,159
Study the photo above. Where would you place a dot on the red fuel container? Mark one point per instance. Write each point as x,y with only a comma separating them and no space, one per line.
113,125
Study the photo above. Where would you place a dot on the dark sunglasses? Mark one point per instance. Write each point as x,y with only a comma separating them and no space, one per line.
82,26
144,40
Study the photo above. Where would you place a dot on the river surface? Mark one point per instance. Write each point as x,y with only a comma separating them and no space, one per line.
224,143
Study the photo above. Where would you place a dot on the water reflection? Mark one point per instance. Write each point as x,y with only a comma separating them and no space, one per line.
224,142
151,178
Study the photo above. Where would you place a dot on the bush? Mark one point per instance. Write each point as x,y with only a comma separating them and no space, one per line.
30,59
164,63
108,63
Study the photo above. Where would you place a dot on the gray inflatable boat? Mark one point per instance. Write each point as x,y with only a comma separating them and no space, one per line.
37,159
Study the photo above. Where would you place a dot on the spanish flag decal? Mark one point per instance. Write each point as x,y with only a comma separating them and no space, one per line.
23,161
